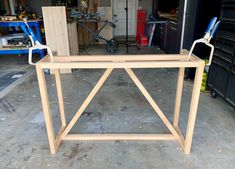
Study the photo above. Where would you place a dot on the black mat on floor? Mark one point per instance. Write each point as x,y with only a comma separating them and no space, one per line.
9,78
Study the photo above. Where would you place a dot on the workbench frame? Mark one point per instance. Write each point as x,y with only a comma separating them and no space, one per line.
24,50
127,62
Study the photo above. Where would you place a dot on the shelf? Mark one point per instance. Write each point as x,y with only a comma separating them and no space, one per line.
227,48
1,49
18,51
23,50
229,35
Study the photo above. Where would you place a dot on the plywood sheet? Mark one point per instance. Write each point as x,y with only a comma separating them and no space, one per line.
83,35
56,30
73,38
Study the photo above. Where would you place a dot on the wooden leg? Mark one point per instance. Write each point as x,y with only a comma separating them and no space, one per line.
60,97
46,108
193,108
152,102
87,101
179,89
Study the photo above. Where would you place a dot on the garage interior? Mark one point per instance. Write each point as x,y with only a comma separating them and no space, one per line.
115,29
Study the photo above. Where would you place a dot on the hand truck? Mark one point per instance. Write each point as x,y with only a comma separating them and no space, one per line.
111,45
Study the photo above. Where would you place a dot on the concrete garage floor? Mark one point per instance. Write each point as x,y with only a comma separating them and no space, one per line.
119,107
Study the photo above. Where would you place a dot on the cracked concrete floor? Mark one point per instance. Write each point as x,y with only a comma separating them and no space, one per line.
119,107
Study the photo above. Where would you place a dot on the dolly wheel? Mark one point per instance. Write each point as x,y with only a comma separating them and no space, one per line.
213,94
111,46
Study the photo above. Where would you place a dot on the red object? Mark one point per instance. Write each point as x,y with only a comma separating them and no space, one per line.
143,40
141,22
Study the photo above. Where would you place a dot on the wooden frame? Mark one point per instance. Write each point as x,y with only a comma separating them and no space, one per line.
126,62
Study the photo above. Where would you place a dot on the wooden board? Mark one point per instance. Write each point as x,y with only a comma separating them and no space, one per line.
84,36
56,31
107,32
73,38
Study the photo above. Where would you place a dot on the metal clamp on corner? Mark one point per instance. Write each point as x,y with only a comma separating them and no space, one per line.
213,26
35,43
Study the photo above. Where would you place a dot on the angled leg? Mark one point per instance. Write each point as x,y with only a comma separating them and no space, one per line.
46,108
60,97
87,101
193,108
152,102
179,89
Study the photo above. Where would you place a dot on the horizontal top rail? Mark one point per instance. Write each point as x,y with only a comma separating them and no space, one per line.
100,58
124,61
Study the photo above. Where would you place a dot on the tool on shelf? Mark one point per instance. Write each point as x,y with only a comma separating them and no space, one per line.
34,41
210,32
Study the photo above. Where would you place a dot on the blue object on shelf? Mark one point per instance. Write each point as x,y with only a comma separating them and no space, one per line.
32,23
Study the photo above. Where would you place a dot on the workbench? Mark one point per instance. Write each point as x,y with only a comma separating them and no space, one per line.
126,62
31,23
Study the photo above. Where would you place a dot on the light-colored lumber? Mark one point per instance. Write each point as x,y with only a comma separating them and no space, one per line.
181,138
100,58
139,64
179,90
59,136
46,108
73,38
152,57
60,96
56,31
193,107
134,137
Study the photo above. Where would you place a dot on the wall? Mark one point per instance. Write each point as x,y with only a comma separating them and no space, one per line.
36,5
146,4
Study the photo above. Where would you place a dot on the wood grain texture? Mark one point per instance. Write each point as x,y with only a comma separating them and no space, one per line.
193,107
56,31
179,91
84,36
46,108
73,38
133,137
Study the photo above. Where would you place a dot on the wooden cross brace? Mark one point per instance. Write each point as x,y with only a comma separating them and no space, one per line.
127,63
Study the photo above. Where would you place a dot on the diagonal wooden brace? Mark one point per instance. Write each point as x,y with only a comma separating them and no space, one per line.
87,101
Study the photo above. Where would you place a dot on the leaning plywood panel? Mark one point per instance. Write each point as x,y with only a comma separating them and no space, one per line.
56,31
107,32
73,38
